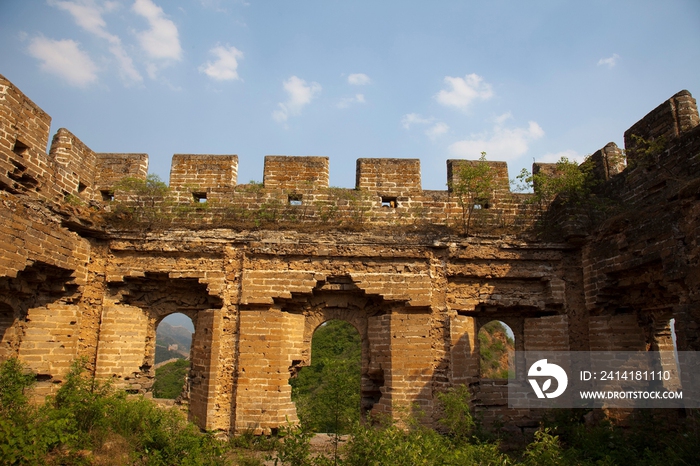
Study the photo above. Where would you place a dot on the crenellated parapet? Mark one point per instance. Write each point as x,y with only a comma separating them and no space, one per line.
112,168
666,122
69,168
192,177
296,173
24,136
389,177
296,188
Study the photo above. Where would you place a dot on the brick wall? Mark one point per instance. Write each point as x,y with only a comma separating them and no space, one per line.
295,173
24,137
74,165
388,177
270,341
112,168
122,347
192,177
464,355
668,121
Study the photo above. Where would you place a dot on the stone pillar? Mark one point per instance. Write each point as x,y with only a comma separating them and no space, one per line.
269,341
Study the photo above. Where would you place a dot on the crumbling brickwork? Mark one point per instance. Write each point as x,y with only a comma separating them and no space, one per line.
259,267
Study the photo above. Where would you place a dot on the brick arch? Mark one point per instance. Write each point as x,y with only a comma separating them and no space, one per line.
339,297
372,382
314,319
128,332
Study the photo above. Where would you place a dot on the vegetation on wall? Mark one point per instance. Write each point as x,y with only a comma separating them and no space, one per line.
494,345
146,202
473,188
569,195
150,204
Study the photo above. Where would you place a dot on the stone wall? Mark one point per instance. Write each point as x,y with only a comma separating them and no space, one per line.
257,283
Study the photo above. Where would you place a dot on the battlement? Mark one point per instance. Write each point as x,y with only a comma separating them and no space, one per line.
113,167
295,173
668,121
200,173
387,188
70,168
499,172
390,177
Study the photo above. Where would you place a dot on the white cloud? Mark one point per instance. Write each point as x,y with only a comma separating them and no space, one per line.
503,144
438,129
610,61
127,71
299,94
572,155
64,58
359,79
161,41
345,102
88,15
464,91
410,119
500,119
225,68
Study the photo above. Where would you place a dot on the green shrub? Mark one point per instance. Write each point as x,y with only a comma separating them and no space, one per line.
83,414
457,417
14,382
546,450
295,447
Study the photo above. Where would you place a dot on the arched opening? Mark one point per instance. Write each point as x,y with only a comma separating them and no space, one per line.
496,341
173,344
327,393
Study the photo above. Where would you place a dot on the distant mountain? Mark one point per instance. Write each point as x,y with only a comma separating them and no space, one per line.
180,320
172,342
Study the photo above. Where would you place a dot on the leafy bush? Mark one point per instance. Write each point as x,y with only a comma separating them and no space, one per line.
457,417
83,414
371,446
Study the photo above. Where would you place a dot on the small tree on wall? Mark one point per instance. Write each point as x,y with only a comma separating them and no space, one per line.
145,201
473,187
570,184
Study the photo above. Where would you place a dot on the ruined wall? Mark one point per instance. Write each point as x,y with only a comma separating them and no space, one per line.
641,267
257,285
295,192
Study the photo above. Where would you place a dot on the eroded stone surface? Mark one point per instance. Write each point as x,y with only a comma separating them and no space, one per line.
72,287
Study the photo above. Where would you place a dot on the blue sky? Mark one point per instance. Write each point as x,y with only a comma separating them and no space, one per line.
438,80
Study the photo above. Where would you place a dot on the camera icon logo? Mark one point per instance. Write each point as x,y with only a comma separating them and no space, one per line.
542,368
